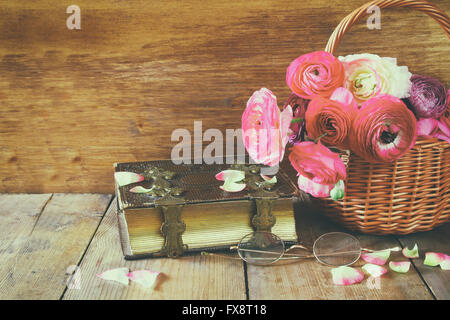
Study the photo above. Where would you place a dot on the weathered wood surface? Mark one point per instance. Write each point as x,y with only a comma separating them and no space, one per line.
41,242
45,237
73,102
438,240
191,277
309,279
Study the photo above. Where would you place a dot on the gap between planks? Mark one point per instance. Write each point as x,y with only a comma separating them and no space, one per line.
308,279
191,277
437,240
71,277
43,236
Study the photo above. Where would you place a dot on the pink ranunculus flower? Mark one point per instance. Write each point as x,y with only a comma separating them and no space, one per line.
332,117
428,97
265,128
319,169
383,130
314,74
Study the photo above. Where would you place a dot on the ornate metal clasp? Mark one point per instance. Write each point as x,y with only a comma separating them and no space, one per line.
263,193
171,206
173,227
264,220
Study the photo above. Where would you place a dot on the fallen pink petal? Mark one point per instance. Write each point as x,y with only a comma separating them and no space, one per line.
433,259
125,178
268,179
374,270
445,265
231,186
118,275
146,278
140,189
377,257
232,175
411,254
346,275
400,266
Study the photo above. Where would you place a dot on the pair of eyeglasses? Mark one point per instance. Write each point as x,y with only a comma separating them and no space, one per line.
265,248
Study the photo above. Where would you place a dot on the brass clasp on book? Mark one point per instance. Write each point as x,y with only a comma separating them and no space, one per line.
173,227
264,220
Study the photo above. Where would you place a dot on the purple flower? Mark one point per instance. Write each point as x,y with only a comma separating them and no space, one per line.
428,97
298,127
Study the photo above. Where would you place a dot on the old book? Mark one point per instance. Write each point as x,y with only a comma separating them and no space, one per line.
185,209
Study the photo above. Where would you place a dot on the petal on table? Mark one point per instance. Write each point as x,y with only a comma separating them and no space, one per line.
346,275
146,278
377,257
119,275
124,178
445,265
400,266
374,270
413,253
433,259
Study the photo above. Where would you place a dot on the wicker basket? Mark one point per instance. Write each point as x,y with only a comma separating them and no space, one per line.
408,195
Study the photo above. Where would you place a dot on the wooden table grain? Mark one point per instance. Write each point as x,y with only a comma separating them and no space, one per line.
52,246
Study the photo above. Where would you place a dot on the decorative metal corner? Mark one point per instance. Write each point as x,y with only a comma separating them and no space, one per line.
161,185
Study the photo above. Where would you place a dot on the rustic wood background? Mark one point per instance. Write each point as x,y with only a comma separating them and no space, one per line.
73,102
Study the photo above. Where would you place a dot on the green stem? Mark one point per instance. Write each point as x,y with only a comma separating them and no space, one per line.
297,120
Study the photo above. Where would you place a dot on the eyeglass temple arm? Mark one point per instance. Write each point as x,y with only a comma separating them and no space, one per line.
204,253
390,249
295,246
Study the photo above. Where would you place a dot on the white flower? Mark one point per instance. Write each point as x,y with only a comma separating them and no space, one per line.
367,75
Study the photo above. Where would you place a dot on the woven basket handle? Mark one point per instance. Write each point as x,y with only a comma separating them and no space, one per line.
429,8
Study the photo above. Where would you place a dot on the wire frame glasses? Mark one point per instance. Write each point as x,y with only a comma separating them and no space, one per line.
332,249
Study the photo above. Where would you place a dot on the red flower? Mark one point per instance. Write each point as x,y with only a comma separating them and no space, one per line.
332,117
383,130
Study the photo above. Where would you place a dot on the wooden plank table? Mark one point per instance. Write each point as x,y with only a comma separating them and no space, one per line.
52,246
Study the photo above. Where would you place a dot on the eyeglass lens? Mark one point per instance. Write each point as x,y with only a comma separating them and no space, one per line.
333,249
337,249
261,248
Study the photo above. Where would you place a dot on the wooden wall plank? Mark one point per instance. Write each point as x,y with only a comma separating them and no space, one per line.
36,269
437,240
73,102
308,279
191,277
